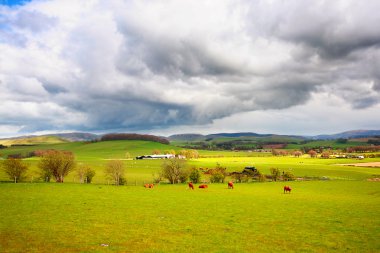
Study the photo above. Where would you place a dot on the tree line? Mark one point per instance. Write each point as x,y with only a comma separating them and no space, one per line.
142,137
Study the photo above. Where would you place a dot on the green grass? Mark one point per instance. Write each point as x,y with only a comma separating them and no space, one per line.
97,154
341,215
327,143
33,140
336,216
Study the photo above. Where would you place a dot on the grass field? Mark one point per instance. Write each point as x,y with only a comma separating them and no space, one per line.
97,154
337,216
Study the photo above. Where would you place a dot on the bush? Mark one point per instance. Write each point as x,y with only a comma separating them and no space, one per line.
217,177
85,174
218,174
57,163
288,176
15,169
174,170
275,173
195,176
115,171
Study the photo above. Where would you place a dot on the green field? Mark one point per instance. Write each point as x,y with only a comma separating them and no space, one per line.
337,215
341,216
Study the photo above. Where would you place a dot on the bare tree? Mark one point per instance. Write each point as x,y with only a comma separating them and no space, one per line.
276,174
312,153
15,169
85,174
174,170
115,171
57,163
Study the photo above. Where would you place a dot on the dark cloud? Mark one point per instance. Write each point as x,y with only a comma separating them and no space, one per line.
99,65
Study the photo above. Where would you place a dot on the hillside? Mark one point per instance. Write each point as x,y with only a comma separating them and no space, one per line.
348,135
32,140
95,150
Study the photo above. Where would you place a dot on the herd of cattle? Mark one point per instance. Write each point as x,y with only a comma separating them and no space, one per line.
287,189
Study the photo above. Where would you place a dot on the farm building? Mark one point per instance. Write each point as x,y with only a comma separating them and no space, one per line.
167,156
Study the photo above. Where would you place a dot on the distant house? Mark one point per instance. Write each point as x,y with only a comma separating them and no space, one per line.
167,156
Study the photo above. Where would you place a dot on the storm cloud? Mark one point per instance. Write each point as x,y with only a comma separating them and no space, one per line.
139,65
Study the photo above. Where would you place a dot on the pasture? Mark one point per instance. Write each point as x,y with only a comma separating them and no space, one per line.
340,216
138,172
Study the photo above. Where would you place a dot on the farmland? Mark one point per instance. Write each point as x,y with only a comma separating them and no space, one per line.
339,214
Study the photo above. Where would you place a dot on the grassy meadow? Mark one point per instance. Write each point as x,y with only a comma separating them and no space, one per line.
319,216
337,215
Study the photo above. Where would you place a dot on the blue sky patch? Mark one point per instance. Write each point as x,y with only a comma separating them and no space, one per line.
13,2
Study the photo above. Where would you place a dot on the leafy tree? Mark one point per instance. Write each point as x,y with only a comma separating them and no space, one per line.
312,153
156,152
85,174
325,155
174,170
171,152
260,176
115,171
276,174
15,169
57,164
218,174
195,176
288,176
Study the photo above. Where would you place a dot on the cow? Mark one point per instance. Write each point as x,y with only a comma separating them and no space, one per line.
148,185
191,186
287,189
230,185
151,185
203,186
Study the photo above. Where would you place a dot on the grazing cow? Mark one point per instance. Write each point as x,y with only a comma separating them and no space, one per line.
203,186
287,189
191,186
148,185
230,185
151,185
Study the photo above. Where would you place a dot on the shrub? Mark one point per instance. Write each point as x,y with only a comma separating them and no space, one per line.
15,169
115,171
57,164
288,176
195,176
218,174
85,174
174,170
275,172
217,177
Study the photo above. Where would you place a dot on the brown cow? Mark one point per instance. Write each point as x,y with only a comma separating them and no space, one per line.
191,186
148,185
203,186
287,189
230,185
151,185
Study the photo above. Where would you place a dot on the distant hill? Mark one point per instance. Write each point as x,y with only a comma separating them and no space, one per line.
348,135
187,137
78,136
200,137
242,134
32,140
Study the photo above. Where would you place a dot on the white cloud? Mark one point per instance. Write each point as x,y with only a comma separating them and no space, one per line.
152,65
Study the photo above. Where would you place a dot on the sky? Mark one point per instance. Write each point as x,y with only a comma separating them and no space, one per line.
168,67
